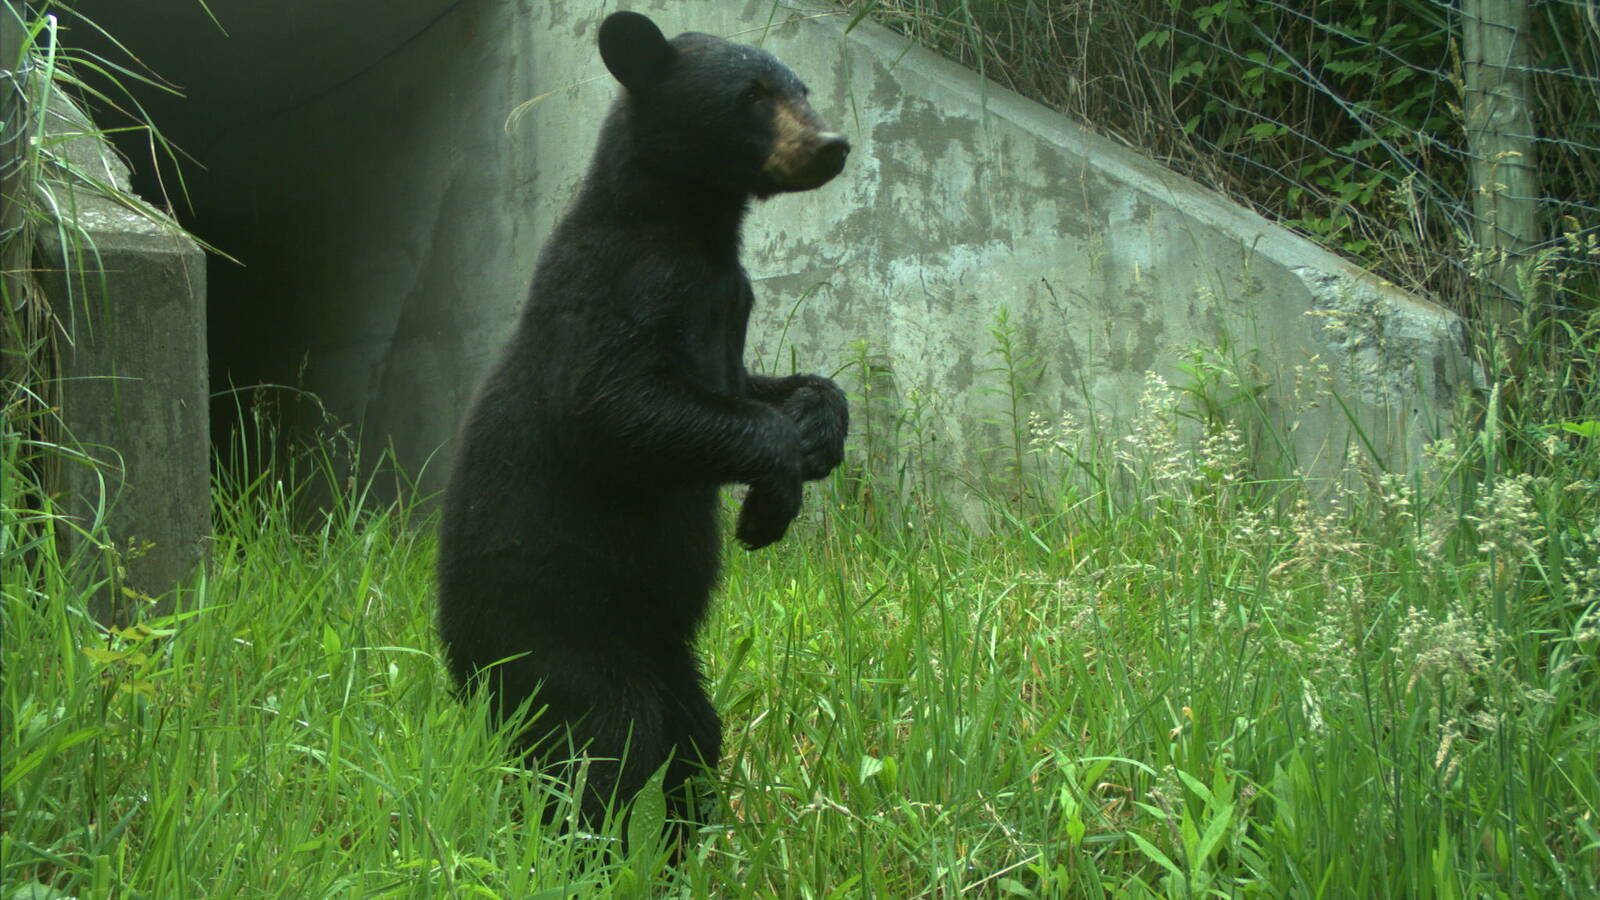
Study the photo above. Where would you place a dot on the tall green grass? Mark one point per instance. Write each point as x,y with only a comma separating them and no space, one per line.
1153,673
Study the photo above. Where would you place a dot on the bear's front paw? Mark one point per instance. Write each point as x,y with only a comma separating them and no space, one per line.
767,511
819,411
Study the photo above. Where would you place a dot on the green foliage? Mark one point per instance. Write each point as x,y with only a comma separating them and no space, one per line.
1017,371
1340,105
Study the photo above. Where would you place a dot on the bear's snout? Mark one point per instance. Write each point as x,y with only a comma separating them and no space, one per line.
832,150
806,153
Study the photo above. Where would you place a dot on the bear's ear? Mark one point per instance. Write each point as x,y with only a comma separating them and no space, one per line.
634,49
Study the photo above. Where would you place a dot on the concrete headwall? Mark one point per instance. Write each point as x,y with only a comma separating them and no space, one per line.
388,223
127,293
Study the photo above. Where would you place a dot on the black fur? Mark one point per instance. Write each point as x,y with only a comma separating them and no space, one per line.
580,543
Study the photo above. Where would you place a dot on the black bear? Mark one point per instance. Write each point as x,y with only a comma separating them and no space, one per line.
580,540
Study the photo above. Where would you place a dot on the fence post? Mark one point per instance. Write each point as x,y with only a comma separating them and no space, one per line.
1500,144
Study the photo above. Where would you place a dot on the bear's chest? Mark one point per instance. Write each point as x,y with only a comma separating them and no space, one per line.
708,329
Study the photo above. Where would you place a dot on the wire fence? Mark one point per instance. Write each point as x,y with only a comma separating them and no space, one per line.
1452,146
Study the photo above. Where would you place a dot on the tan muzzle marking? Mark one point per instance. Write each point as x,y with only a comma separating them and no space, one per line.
795,139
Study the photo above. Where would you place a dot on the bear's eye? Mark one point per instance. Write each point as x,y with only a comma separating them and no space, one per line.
754,92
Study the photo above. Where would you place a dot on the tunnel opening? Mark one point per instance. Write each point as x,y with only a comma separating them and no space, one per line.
249,174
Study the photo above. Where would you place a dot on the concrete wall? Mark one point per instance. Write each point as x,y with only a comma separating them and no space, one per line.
389,222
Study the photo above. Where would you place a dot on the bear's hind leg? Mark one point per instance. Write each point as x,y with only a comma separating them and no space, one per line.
695,734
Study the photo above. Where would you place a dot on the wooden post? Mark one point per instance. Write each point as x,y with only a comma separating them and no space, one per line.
1503,175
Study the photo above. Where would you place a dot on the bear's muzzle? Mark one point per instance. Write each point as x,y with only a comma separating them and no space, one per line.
806,153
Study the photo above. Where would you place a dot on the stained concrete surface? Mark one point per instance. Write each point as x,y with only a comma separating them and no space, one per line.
388,218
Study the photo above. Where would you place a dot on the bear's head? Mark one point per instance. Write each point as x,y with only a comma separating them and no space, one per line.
725,115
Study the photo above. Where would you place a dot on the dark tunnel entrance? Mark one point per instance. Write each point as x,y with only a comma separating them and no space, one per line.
224,83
